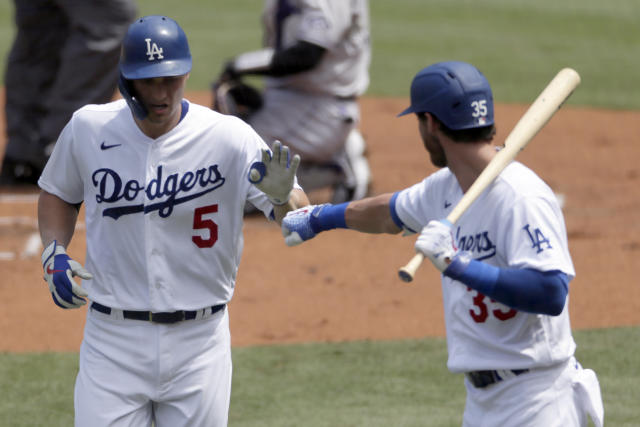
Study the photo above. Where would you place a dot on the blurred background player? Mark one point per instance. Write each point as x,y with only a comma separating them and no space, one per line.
64,55
505,264
316,57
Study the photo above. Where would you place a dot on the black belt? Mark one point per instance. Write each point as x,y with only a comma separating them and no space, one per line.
164,317
481,379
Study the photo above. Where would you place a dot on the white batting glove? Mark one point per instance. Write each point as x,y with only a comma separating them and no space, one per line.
436,243
59,270
275,174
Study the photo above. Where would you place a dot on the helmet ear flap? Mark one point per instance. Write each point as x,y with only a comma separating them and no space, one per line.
126,90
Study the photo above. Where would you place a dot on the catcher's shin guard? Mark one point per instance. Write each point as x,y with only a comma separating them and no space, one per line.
355,166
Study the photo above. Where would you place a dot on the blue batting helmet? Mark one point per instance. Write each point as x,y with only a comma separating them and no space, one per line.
155,46
457,93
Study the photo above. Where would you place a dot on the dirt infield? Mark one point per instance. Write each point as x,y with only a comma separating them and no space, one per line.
343,285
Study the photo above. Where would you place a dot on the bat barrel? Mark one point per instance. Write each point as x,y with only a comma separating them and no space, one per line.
407,272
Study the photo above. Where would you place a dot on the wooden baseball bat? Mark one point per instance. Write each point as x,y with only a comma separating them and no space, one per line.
534,119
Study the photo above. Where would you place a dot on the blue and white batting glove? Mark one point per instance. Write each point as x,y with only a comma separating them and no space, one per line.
275,174
59,270
299,226
436,243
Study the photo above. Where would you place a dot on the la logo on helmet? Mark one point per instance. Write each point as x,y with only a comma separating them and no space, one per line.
153,50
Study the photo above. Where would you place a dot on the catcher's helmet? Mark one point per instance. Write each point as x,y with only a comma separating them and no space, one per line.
154,46
457,93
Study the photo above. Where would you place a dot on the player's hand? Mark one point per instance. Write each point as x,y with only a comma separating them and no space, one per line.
436,242
275,174
298,226
59,270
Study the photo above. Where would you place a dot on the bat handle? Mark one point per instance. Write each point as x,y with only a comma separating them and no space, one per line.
407,272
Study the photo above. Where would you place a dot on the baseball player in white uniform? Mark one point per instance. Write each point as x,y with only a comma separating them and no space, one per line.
316,57
505,264
164,183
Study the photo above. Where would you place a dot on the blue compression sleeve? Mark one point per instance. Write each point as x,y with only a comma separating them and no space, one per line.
328,217
526,289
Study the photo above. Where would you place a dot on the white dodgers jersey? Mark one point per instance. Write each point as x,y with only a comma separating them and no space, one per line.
163,216
339,26
515,223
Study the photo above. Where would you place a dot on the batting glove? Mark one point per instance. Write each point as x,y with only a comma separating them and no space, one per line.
59,270
275,174
436,242
298,226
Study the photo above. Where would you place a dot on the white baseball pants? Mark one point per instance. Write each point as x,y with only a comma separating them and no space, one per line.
134,372
560,396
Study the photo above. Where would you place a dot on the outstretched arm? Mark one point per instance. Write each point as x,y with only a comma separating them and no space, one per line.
369,215
297,200
302,56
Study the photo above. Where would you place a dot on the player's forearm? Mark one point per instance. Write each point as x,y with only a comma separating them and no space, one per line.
302,56
297,200
523,289
371,215
56,219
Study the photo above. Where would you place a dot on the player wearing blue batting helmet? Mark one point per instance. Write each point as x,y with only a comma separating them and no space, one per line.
455,92
154,46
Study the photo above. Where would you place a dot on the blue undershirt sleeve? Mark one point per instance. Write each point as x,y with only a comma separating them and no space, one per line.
394,213
533,291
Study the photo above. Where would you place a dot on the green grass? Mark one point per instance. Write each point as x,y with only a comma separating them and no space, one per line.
518,44
37,389
389,383
347,384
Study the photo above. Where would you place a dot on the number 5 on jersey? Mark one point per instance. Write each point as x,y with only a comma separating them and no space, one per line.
202,223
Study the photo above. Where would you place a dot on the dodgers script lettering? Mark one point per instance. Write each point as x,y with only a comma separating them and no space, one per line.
111,188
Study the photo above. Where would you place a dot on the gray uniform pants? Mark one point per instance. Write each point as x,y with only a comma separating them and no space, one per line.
65,55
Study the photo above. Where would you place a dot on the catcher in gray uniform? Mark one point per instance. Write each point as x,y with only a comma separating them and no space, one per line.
315,61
